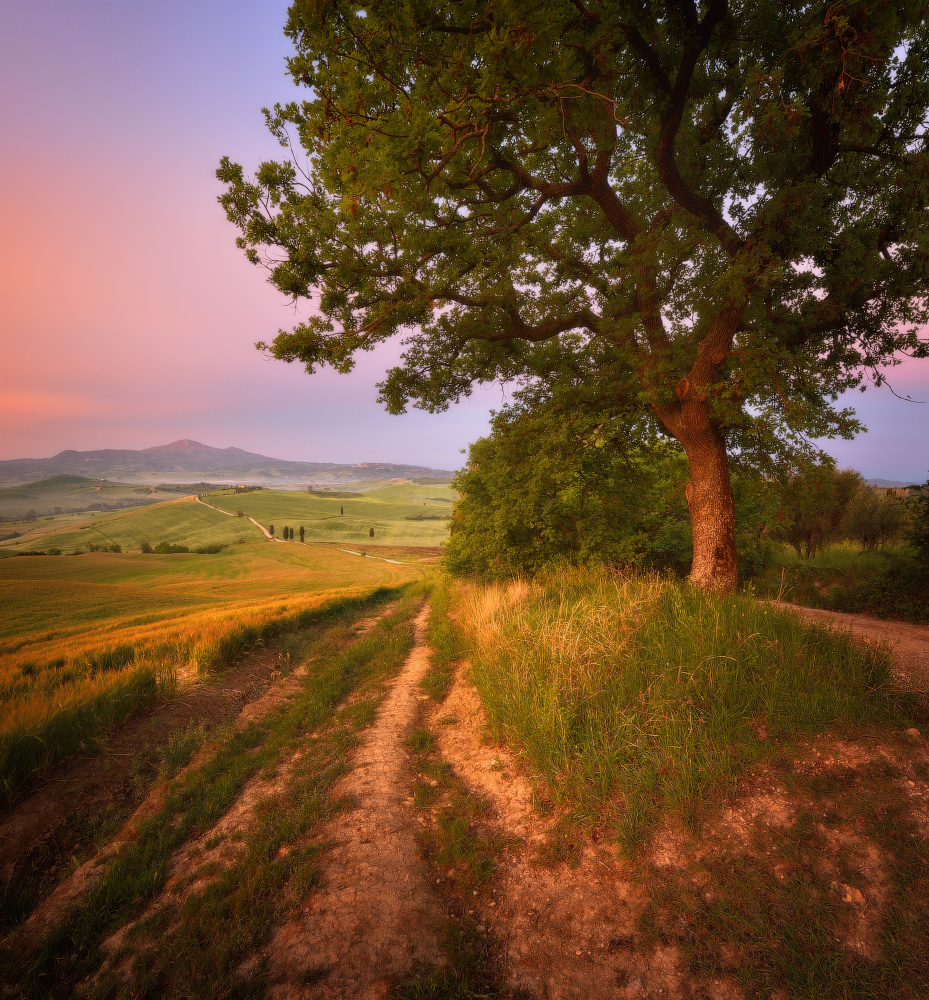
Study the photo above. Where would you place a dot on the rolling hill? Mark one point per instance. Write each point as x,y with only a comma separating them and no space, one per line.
187,461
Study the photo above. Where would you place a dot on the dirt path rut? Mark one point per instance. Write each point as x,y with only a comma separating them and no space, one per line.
377,916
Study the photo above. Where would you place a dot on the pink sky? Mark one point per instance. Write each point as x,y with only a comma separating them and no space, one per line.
127,314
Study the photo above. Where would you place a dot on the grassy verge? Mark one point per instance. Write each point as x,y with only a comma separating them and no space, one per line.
633,697
445,642
276,867
887,583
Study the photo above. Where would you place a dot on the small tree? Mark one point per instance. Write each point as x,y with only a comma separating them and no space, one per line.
371,532
872,519
145,547
916,532
341,511
301,533
271,530
813,505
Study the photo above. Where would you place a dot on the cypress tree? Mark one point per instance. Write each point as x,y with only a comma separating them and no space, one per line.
271,530
371,532
301,533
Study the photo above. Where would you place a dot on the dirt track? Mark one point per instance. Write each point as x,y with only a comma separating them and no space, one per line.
909,643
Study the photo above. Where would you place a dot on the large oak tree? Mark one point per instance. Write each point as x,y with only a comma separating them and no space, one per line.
714,212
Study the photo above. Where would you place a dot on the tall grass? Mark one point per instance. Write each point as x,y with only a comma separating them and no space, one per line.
649,693
54,709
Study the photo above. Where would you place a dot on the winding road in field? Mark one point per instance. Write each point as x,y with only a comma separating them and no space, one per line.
274,538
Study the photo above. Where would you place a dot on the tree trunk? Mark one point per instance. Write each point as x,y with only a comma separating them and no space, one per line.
709,493
712,515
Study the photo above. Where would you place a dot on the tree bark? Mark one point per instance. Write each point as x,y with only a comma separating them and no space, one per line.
712,515
709,494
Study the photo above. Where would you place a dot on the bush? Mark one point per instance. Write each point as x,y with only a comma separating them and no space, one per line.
917,531
145,547
115,547
210,549
554,483
167,548
899,590
54,552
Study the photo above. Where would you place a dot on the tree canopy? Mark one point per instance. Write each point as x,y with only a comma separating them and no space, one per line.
714,212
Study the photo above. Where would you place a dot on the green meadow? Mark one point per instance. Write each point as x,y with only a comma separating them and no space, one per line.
402,513
182,522
60,494
88,638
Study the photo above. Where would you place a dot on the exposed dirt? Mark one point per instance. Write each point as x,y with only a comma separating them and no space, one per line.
50,823
376,916
909,643
39,836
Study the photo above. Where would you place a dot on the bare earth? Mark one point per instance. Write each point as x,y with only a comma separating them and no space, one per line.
376,917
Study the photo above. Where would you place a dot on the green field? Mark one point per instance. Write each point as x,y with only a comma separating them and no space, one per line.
386,509
60,494
182,522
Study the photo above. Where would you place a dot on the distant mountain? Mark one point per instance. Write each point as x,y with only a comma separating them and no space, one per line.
186,461
889,484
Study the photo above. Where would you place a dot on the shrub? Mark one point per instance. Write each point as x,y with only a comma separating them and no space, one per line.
145,547
917,531
210,549
167,548
54,552
115,547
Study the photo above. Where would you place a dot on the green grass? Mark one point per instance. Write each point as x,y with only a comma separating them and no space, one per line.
634,697
72,492
180,522
385,509
273,873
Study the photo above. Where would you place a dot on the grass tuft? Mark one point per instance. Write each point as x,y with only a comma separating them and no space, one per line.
645,692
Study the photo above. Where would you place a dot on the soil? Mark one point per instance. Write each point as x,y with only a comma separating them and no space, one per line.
376,917
44,833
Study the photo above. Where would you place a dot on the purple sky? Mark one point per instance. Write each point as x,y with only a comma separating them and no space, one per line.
127,314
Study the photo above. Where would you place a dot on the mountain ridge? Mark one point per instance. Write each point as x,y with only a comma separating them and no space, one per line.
186,460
